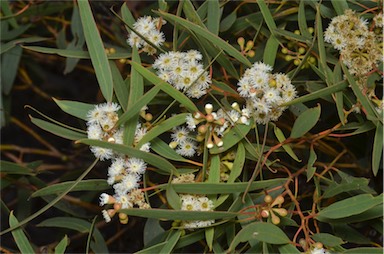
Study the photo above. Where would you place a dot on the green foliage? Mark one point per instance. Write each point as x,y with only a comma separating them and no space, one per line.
308,183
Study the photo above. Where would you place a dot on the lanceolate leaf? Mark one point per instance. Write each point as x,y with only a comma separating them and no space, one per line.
20,238
75,108
305,122
377,154
350,206
96,50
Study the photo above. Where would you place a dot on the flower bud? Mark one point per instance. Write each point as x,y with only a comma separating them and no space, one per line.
301,50
284,50
264,213
280,211
148,117
202,129
275,219
208,108
236,106
278,201
173,144
251,53
249,45
123,218
241,41
210,144
268,199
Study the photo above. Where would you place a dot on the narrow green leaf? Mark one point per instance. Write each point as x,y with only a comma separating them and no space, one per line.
310,168
9,66
209,234
75,53
302,20
127,15
75,108
320,43
85,185
327,239
214,169
207,35
166,87
121,88
270,51
377,153
228,21
280,136
213,19
365,250
177,214
155,160
20,238
237,133
7,167
340,6
238,164
96,50
62,245
338,77
163,149
57,130
350,206
365,102
349,234
337,188
267,15
171,242
261,231
172,197
318,94
98,244
305,122
288,249
152,230
138,105
163,127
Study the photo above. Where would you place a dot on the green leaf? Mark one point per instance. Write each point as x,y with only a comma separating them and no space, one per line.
237,133
163,127
209,234
127,15
280,136
349,234
75,53
311,170
62,245
214,169
377,153
171,242
288,249
302,20
96,50
213,19
357,184
228,21
57,130
98,244
215,40
85,185
121,88
267,15
155,160
152,230
20,238
177,214
134,109
238,164
365,250
305,122
318,94
270,51
163,149
365,102
166,87
350,206
7,167
327,239
372,213
340,6
9,66
75,108
261,231
172,197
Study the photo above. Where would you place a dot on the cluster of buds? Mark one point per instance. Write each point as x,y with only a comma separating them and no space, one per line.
295,52
213,125
134,198
246,49
271,210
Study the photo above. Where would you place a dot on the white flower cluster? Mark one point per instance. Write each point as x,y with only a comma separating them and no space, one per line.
196,203
265,92
184,71
101,122
125,172
319,251
182,141
359,47
148,27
